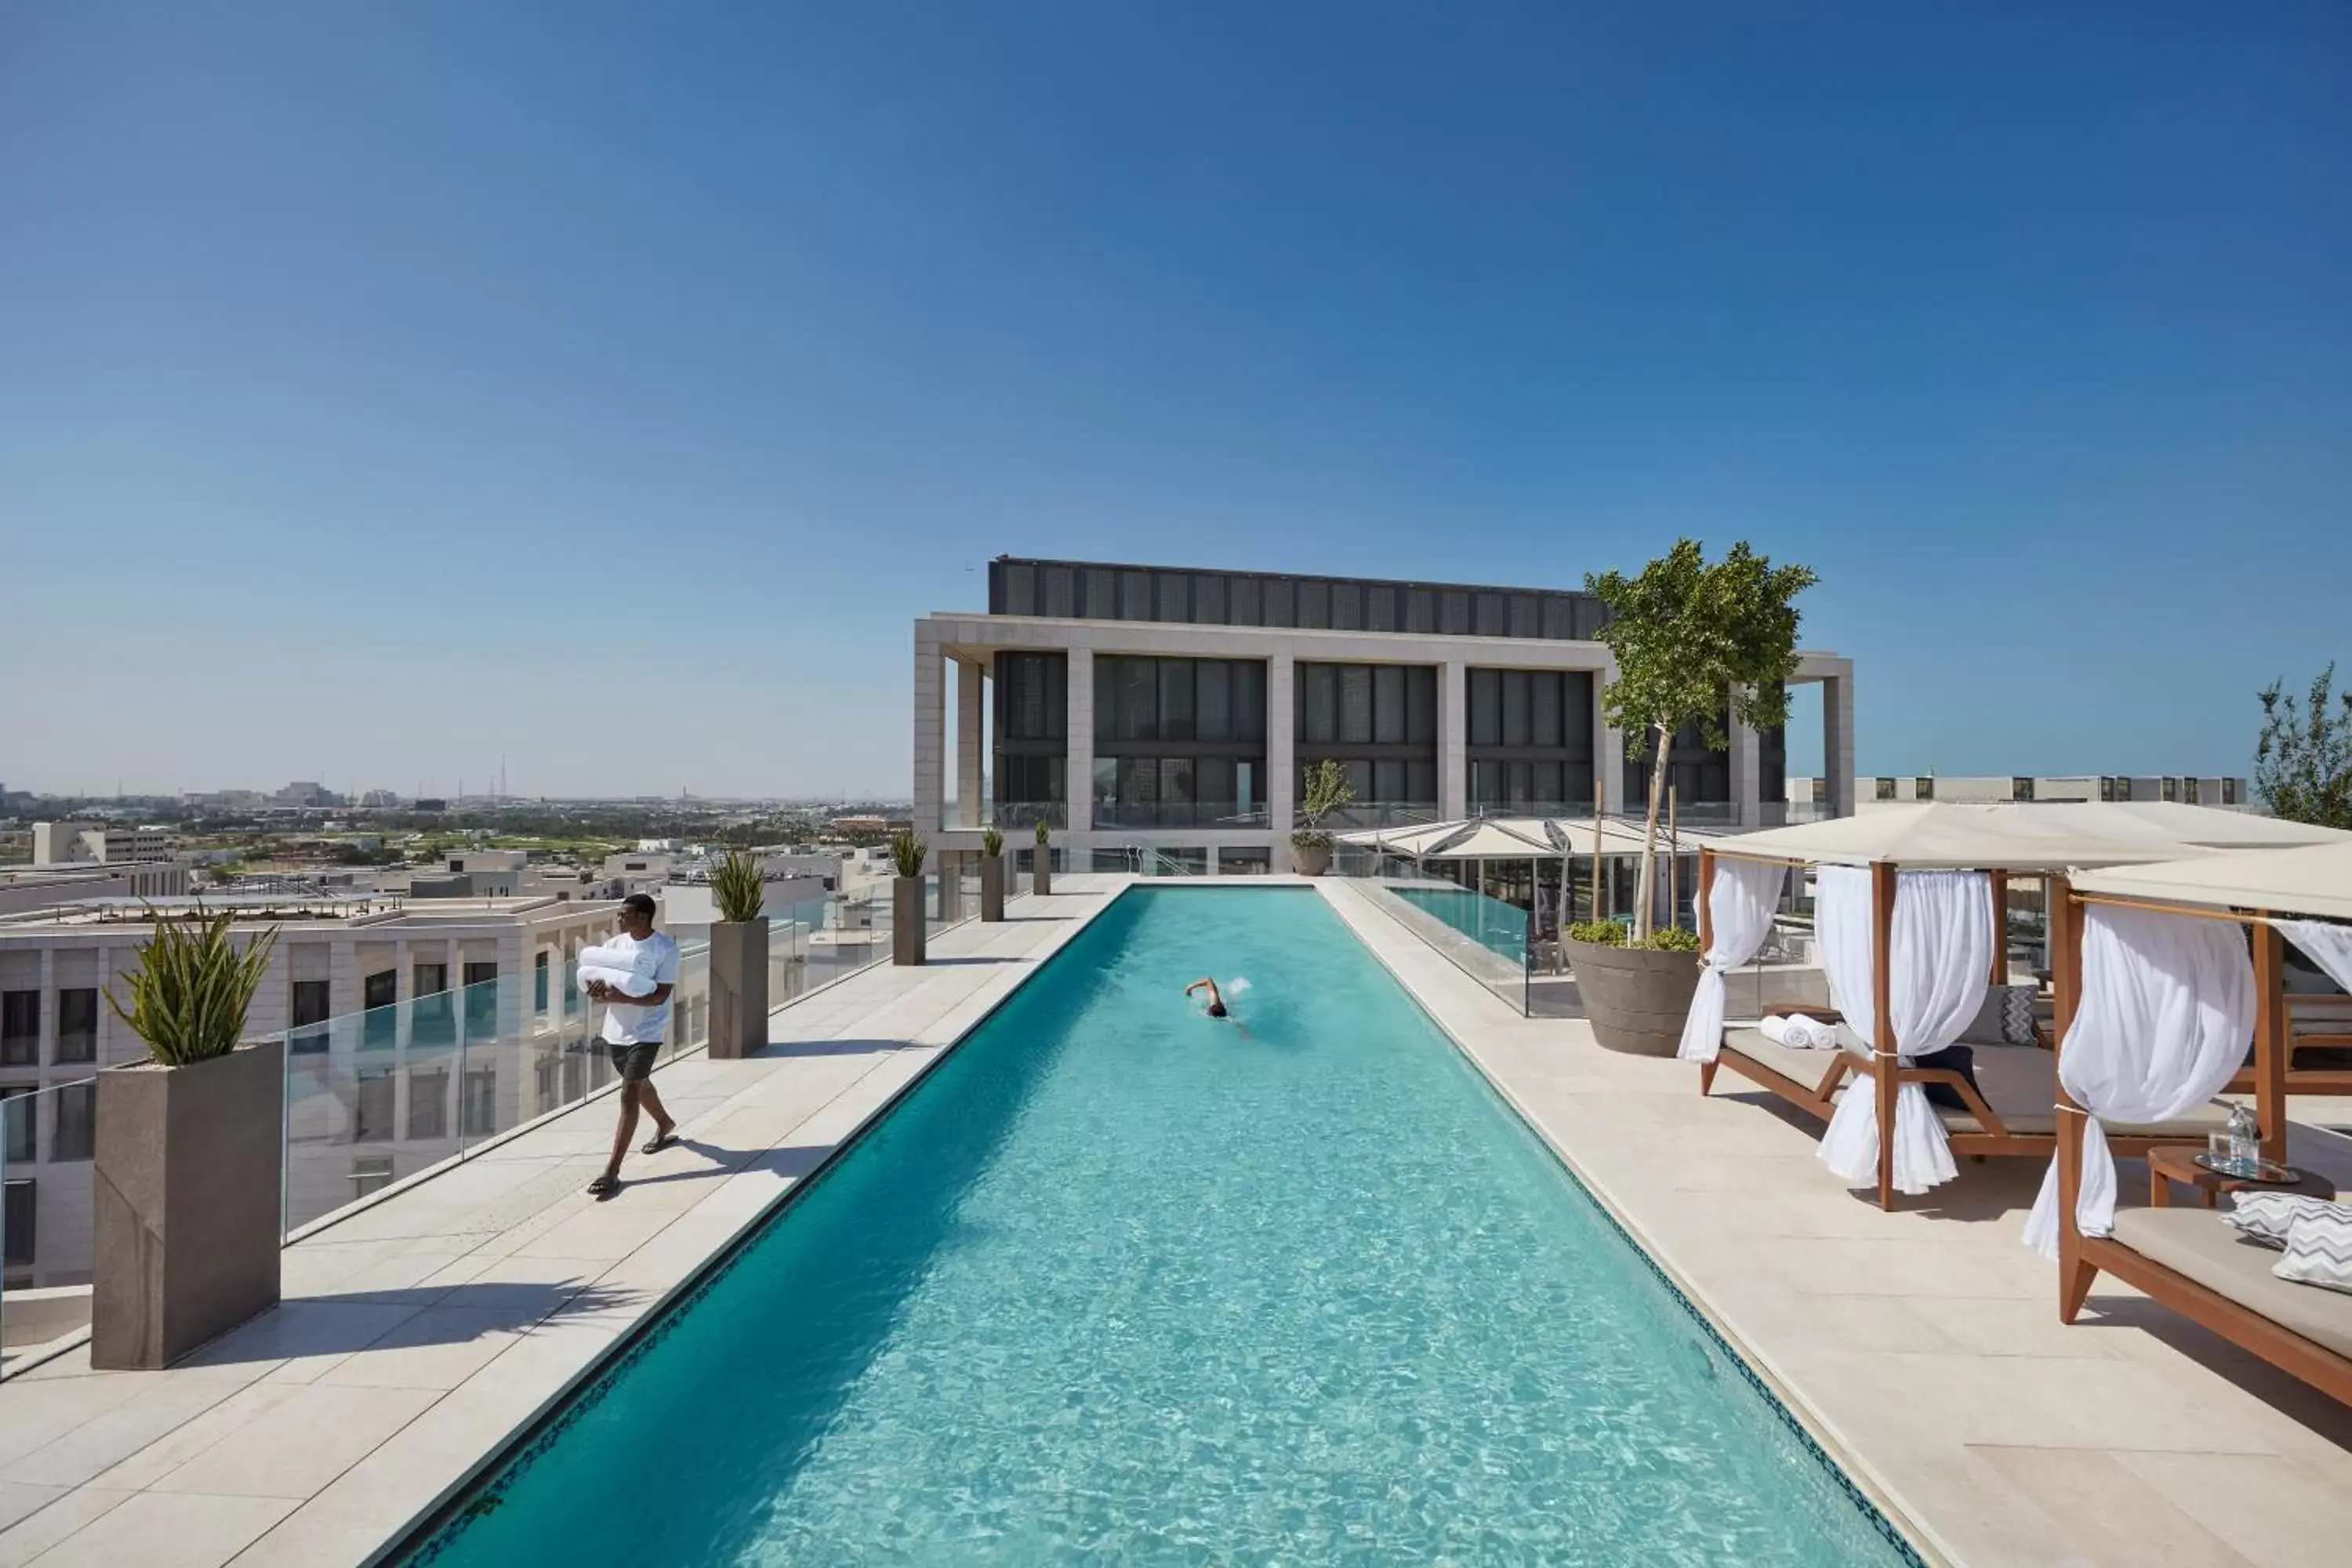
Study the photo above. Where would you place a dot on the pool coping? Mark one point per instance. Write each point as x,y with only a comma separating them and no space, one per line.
1899,1526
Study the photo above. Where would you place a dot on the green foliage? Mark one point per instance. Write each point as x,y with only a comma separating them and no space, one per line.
907,852
1599,934
1326,791
2303,762
1043,835
738,887
192,989
1673,939
992,843
1616,933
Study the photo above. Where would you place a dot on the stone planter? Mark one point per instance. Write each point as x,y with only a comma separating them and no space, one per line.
1040,871
992,888
1311,859
1635,999
187,1180
739,987
907,920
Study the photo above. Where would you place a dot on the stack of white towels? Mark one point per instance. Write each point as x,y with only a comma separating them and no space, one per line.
628,970
1797,1032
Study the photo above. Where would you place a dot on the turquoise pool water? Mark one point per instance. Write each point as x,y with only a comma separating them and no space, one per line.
1499,928
1119,1283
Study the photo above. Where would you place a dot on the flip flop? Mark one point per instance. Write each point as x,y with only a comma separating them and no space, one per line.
603,1187
659,1143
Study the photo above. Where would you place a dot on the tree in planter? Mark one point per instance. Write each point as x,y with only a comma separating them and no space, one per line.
2303,762
1695,642
738,888
1326,791
992,843
908,853
193,988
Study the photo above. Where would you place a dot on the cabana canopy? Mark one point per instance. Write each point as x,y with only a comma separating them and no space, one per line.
2172,822
1943,836
2310,881
1516,839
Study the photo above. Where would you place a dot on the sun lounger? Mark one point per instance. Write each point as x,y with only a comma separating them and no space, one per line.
2318,1047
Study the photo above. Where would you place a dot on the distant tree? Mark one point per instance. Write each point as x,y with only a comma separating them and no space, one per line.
1696,642
2303,762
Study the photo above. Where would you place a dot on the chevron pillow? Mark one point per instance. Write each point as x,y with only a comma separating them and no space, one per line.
2263,1217
2319,1248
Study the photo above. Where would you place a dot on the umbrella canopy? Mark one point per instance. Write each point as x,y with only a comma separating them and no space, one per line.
2173,823
1943,836
1515,838
2314,881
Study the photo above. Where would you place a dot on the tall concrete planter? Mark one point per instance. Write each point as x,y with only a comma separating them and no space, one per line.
1040,871
907,920
1311,859
992,888
187,1178
1635,999
739,988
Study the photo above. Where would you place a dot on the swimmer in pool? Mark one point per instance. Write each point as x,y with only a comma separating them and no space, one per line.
1216,1002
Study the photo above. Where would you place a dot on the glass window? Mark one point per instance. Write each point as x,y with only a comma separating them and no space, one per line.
1485,702
1105,781
1885,789
1387,781
1454,612
1232,862
1213,700
428,1102
1544,710
1546,785
1176,791
20,1028
1421,783
1247,606
307,1004
371,1103
2229,792
78,1024
1139,699
1176,700
1421,707
1489,616
2020,789
1514,708
1019,589
18,1219
1318,707
1102,594
1280,602
1387,705
2170,789
1134,595
1421,609
1245,794
1356,704
1348,606
1175,597
1214,786
1923,789
1591,615
478,1118
428,979
1314,604
1061,592
1523,623
1138,781
1249,701
1209,599
2189,792
539,988
18,1111
1380,608
76,1133
381,989
1559,618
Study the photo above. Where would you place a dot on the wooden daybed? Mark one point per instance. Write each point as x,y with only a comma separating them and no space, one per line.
2186,1258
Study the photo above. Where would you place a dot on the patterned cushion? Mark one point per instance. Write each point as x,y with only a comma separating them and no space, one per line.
2005,1019
2266,1217
2319,1248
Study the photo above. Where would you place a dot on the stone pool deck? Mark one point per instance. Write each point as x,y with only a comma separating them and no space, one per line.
418,1336
1923,1347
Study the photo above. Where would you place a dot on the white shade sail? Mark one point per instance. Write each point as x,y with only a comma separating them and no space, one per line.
2315,880
1939,836
2170,822
1518,839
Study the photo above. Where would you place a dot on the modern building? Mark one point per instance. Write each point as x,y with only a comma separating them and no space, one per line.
99,843
410,1027
1179,710
2184,789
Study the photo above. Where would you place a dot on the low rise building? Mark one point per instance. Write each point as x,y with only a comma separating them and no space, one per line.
2185,789
99,844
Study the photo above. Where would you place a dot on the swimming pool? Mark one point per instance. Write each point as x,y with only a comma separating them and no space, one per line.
1121,1283
1500,927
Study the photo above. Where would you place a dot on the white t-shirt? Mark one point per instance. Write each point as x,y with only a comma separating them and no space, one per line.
642,1025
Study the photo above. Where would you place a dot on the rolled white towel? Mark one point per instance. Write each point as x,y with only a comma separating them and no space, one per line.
1799,1033
639,962
627,982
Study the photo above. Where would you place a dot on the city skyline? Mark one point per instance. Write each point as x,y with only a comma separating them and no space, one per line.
609,391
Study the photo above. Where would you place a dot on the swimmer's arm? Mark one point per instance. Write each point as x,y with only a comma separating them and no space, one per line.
1198,984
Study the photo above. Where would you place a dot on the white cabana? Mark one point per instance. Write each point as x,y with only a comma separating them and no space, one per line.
1941,835
2188,827
1518,839
2311,881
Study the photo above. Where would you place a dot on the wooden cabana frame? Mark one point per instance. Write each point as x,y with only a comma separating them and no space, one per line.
2082,1258
1974,841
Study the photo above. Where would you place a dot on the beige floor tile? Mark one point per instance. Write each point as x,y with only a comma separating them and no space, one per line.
151,1463
34,1412
35,1533
608,1230
439,1348
303,1337
154,1530
156,1412
2111,1515
2280,1512
301,1443
19,1499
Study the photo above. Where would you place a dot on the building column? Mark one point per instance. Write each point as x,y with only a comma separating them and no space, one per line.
1281,754
1746,774
971,703
1453,741
931,731
1078,743
1837,740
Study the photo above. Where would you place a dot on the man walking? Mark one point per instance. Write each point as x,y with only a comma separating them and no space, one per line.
634,1024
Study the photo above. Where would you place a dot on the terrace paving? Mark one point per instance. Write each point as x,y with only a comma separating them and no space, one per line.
1922,1347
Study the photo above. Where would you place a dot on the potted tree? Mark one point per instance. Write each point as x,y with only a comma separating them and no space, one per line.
991,875
189,1158
907,853
1041,869
1696,642
739,958
1327,791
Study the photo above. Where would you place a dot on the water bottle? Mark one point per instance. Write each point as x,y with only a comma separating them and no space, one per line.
2245,1136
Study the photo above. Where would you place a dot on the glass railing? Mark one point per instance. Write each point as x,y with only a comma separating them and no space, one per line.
1029,814
1177,814
1363,814
392,1093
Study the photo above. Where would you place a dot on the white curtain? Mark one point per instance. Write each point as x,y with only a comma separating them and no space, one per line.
2330,947
2167,1013
1740,906
1941,956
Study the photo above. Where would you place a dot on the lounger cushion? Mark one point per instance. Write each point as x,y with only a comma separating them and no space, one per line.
2005,1019
2194,1243
2319,1248
2266,1217
1805,1066
1961,1059
2020,1084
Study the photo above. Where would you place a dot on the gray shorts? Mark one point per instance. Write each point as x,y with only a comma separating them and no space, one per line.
634,1063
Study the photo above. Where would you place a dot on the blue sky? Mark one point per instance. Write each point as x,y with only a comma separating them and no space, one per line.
387,388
